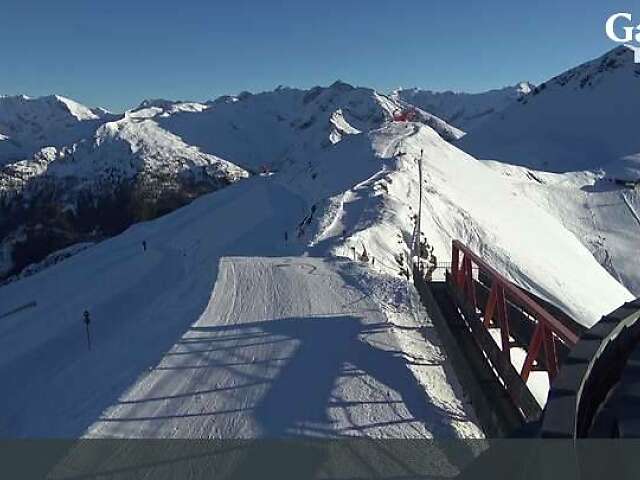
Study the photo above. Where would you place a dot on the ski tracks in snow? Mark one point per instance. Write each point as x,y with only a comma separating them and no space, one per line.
289,347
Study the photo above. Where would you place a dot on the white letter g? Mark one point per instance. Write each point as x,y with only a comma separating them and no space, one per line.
611,33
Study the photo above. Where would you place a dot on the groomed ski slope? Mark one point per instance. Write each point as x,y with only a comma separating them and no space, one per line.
291,346
324,358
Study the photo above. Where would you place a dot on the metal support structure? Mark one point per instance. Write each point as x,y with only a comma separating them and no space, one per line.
548,330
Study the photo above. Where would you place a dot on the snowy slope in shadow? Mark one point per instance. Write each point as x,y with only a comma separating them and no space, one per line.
289,347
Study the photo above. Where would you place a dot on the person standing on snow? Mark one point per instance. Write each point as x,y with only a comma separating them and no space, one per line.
144,245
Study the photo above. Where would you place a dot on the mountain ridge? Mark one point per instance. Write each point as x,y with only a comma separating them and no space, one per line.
461,109
582,119
158,156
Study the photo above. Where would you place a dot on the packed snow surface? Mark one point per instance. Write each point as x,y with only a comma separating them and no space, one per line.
199,336
290,346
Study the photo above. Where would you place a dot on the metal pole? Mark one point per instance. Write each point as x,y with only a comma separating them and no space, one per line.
418,221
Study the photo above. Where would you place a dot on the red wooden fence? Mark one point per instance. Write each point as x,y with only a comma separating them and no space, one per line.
548,329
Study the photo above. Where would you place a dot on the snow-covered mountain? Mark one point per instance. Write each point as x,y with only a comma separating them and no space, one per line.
211,328
465,199
91,174
464,110
584,118
128,170
602,216
583,123
29,124
212,331
280,127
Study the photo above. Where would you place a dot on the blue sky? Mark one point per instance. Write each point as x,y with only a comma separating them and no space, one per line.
116,53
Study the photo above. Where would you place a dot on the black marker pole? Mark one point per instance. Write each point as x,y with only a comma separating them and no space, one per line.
87,320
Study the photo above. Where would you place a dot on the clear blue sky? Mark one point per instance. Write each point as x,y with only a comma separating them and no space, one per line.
115,53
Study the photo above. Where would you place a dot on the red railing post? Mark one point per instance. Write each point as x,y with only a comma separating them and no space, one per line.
464,277
496,310
461,272
532,352
469,286
455,262
503,320
550,353
491,304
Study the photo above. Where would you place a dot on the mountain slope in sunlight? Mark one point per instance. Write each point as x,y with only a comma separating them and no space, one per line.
29,124
584,118
466,111
121,169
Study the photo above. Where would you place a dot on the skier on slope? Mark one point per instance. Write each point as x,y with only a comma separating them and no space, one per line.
144,245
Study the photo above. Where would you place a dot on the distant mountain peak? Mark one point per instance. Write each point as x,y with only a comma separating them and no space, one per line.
340,85
591,73
28,124
155,102
464,110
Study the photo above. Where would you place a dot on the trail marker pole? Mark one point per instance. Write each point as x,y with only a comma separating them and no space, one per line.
87,320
